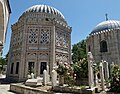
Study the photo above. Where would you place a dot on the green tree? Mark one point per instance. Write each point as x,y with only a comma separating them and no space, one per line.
79,51
2,62
6,57
114,80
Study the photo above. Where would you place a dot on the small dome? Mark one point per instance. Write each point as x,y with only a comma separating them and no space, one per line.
44,9
106,25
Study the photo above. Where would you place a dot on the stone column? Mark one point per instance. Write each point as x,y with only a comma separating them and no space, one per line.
52,49
70,56
90,70
102,75
23,67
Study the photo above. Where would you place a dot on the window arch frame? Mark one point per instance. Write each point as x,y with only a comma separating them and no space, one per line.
103,46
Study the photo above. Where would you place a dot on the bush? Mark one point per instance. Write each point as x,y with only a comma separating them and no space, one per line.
81,69
62,68
115,79
66,70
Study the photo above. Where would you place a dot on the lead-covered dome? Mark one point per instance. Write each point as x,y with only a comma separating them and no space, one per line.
44,9
106,25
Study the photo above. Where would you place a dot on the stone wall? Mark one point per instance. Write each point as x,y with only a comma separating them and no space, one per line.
111,38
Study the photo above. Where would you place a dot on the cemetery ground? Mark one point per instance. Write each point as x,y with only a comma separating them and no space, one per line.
89,70
5,88
63,80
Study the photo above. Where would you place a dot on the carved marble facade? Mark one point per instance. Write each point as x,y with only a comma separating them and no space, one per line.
40,40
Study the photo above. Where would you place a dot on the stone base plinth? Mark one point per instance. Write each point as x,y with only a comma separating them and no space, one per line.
33,82
74,90
22,89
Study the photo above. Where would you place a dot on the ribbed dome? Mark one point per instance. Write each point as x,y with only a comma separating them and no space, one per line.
44,9
106,25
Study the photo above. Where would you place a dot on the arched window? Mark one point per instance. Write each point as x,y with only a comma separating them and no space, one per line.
89,48
17,68
12,66
103,46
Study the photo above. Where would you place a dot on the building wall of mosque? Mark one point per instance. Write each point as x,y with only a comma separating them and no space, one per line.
38,43
105,46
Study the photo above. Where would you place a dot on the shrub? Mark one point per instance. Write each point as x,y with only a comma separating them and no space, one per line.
81,68
66,70
115,78
62,68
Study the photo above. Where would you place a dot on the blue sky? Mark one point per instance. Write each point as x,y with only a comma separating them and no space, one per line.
81,15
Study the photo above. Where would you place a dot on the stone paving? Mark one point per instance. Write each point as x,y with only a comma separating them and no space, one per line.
4,89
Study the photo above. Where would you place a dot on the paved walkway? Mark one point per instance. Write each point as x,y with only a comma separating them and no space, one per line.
4,89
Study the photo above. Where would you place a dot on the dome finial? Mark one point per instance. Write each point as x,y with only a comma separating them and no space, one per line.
106,17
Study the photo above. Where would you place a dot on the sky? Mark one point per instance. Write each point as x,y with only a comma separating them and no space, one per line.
81,15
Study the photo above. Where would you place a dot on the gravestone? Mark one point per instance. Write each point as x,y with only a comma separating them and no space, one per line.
29,76
106,69
0,75
48,79
54,78
45,77
111,68
102,75
90,70
34,82
32,76
48,69
61,80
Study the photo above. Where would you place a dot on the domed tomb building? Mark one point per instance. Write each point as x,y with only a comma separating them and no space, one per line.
41,39
104,42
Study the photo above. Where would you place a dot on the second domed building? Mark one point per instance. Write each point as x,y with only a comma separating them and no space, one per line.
41,39
104,42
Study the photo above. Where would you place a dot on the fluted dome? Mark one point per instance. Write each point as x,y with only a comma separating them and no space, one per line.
44,9
106,25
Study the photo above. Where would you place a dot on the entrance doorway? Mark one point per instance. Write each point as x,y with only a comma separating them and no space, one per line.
43,67
30,67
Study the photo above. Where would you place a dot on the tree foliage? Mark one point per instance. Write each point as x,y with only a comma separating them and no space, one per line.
79,58
2,62
81,68
115,78
79,51
6,57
